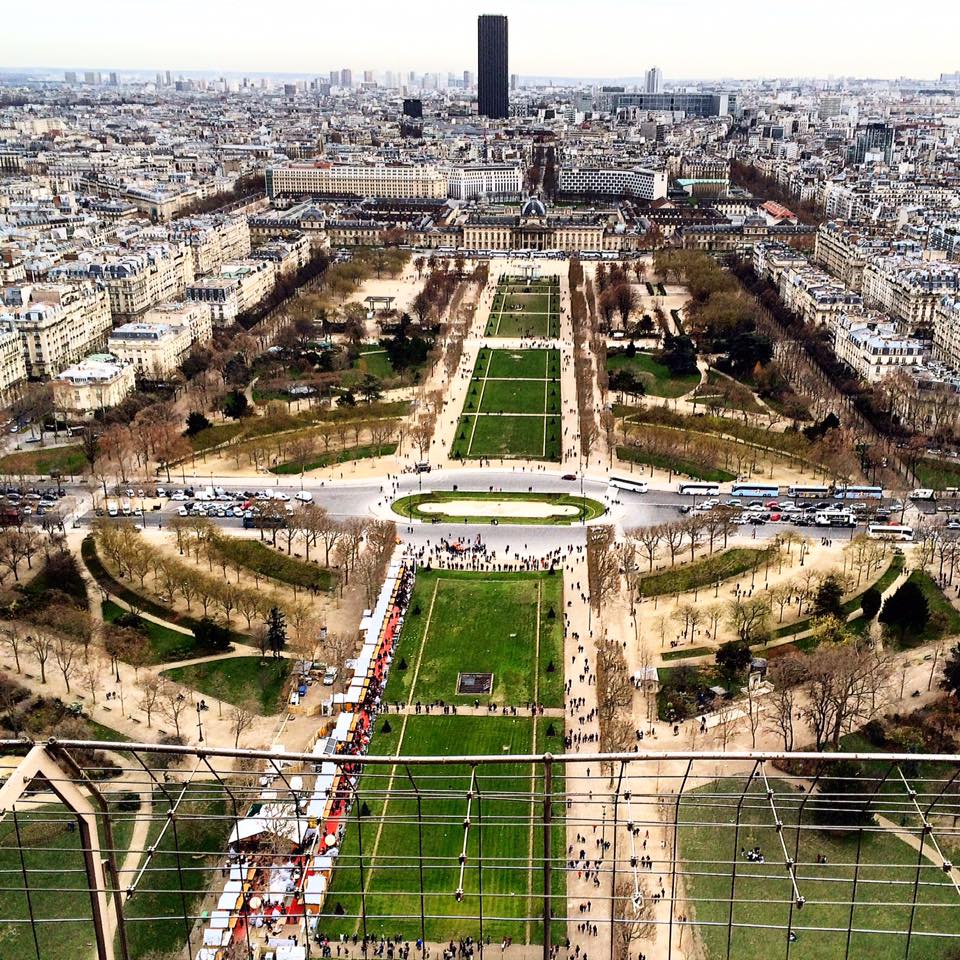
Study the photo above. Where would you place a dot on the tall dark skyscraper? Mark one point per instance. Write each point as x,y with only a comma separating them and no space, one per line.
494,100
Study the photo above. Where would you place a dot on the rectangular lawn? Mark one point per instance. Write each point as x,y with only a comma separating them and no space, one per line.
507,383
462,622
392,832
882,886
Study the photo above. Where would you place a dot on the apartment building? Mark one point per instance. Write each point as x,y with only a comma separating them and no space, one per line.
640,182
873,348
946,331
485,182
95,383
909,289
13,366
212,240
155,350
240,286
180,313
356,180
288,254
815,296
58,324
771,260
136,281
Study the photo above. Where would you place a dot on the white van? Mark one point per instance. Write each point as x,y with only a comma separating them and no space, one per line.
304,496
922,493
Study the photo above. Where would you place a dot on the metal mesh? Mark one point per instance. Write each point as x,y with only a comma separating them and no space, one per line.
730,855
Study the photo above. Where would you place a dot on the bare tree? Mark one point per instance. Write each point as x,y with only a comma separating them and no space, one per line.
149,696
172,703
40,644
785,674
242,717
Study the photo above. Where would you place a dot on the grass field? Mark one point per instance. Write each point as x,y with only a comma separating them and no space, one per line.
375,362
525,310
657,378
702,572
411,507
685,468
512,408
498,846
762,893
56,880
67,461
443,635
338,456
239,679
165,644
937,474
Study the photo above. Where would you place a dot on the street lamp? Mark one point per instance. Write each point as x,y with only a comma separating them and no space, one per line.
199,725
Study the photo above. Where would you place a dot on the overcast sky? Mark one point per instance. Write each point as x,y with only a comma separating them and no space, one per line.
562,38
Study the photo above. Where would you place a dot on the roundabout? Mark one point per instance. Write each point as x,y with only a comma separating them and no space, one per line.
451,506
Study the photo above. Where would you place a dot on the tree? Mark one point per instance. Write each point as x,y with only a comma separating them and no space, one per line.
828,599
785,675
906,612
149,695
733,657
210,635
870,602
242,717
843,796
196,422
749,616
235,405
172,703
276,631
65,649
951,672
40,645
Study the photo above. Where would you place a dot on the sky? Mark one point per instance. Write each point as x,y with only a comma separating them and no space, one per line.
687,39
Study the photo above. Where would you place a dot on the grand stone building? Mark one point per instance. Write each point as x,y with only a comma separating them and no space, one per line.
534,229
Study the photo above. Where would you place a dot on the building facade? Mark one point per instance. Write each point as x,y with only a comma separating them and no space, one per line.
493,99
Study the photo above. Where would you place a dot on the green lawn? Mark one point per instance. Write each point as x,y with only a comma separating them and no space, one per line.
520,396
70,460
656,376
410,506
498,845
154,915
259,558
56,881
338,456
165,644
944,618
686,468
702,572
376,362
519,310
482,623
762,892
513,407
938,474
239,679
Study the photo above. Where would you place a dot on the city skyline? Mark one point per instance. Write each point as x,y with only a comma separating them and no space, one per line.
604,45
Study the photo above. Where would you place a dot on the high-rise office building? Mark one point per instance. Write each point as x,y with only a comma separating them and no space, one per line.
413,108
70,76
368,76
494,99
334,78
514,81
873,142
346,77
654,82
114,80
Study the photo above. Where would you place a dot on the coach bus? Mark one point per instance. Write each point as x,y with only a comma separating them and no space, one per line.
848,492
750,489
629,484
808,491
698,488
889,531
834,518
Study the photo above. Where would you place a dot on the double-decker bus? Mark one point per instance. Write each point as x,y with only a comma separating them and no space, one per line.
849,492
808,491
749,488
889,531
629,484
697,488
